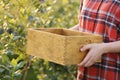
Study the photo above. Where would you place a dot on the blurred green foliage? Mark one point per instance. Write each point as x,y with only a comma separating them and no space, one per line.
16,16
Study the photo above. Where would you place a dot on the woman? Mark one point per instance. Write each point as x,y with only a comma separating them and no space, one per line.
100,17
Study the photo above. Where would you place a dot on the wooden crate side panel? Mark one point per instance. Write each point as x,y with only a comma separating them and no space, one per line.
46,46
73,53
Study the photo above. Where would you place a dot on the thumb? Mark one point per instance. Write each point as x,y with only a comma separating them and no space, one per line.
85,48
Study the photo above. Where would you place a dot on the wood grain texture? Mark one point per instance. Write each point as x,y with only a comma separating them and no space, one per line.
61,46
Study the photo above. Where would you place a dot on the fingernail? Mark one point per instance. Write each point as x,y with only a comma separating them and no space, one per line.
81,49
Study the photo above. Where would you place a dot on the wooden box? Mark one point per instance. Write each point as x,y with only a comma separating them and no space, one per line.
61,46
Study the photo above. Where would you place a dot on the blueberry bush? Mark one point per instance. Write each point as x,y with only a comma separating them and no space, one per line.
16,16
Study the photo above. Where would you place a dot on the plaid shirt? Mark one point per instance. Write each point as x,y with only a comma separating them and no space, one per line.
101,17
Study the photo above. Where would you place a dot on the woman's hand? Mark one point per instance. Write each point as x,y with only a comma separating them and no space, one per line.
94,53
76,27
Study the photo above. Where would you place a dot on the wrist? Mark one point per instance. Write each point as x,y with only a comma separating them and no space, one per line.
106,47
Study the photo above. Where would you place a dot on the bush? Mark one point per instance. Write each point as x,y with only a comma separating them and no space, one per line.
19,15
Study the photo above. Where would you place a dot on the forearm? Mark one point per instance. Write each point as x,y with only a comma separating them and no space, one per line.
112,47
76,27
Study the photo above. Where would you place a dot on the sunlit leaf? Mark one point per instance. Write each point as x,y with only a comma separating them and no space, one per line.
65,1
14,62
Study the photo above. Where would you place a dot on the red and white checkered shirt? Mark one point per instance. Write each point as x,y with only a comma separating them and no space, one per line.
101,17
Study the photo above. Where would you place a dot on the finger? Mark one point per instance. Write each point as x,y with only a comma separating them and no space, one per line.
91,59
89,63
86,47
85,60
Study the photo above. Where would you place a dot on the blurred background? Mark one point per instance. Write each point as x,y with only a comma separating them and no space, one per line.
16,16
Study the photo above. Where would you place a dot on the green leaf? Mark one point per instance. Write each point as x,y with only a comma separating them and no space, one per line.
7,77
20,65
5,59
2,70
6,1
17,75
31,74
16,37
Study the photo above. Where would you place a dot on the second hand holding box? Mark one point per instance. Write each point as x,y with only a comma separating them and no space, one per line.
61,46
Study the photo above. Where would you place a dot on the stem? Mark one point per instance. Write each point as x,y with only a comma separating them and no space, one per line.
27,67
